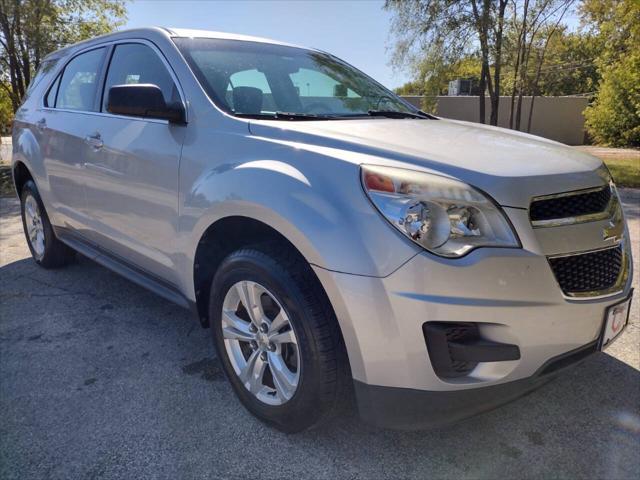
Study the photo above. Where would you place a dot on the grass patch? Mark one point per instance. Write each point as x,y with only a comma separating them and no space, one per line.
6,182
625,171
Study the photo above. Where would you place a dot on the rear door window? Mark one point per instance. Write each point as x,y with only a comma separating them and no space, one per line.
79,82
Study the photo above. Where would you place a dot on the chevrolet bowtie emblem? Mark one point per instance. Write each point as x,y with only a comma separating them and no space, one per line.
613,231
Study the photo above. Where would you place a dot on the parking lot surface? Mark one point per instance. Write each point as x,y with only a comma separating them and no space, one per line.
102,379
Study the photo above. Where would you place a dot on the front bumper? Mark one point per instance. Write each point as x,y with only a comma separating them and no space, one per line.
408,409
511,294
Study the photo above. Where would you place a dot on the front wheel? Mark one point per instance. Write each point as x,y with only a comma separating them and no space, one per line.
277,339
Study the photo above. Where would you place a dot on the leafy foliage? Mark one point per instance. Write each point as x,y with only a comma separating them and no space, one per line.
6,111
31,29
431,36
614,116
434,77
498,42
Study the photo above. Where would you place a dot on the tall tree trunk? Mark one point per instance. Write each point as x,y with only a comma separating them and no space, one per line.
481,96
521,87
495,101
520,55
533,99
541,62
481,20
524,71
22,54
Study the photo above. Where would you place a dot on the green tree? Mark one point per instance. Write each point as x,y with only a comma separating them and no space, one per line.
504,44
614,116
6,112
31,29
411,88
434,75
569,67
434,34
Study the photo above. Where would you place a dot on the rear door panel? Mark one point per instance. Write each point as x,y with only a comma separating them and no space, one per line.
62,130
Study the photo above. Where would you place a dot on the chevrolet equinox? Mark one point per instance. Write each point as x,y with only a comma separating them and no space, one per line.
334,238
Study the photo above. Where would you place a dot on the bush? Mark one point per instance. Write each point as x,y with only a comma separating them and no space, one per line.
6,112
614,117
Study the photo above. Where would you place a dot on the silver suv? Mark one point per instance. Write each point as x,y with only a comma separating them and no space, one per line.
335,238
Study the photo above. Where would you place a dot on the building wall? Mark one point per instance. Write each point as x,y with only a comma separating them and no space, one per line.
557,118
5,150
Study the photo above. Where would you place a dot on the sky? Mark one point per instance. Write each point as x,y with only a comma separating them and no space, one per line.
355,30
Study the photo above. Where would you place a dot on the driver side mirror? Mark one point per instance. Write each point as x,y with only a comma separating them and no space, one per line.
143,100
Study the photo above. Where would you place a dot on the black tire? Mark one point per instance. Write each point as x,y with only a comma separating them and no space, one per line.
324,368
56,254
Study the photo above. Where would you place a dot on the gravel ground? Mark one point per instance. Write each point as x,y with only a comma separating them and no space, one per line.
101,379
608,152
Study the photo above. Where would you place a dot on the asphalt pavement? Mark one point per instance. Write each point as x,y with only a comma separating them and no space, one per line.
102,379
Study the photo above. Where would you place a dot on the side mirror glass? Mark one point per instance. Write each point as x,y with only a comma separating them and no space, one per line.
143,100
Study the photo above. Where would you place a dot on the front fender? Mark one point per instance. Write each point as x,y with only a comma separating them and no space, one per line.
315,201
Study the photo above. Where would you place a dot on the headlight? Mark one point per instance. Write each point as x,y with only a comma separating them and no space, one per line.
444,216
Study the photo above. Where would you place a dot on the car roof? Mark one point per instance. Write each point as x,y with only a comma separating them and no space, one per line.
184,32
170,32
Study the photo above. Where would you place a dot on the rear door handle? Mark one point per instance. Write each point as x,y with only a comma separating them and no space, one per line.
94,141
41,124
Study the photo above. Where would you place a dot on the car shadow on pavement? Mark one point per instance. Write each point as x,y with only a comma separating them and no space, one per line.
99,375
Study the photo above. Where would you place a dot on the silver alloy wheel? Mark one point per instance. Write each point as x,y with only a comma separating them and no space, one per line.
35,228
260,342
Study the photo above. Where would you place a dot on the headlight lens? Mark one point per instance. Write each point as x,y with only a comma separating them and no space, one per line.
444,216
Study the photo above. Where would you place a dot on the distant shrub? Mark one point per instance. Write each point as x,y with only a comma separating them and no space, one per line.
614,117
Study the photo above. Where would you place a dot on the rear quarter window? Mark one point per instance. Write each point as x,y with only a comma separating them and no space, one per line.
50,98
44,69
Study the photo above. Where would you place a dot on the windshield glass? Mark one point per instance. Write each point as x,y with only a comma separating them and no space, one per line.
274,81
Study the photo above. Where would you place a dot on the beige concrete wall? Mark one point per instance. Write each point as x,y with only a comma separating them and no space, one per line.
557,118
5,150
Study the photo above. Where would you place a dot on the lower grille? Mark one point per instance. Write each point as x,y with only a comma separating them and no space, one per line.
588,272
460,333
456,348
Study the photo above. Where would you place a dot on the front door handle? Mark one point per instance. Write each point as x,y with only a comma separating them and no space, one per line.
96,167
94,141
41,124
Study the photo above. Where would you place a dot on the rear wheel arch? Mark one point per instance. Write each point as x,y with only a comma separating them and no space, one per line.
21,175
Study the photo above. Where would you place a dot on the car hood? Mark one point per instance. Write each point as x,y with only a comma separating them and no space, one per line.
511,166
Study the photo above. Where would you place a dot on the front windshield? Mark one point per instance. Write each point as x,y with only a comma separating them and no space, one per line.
273,81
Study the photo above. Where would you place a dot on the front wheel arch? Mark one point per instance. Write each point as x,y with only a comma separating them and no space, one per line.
223,237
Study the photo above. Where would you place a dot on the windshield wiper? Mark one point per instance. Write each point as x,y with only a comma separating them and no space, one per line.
398,114
285,116
301,116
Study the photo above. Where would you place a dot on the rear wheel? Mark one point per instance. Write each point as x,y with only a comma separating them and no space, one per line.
46,249
277,338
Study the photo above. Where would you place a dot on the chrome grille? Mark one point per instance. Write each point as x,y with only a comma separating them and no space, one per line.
571,205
